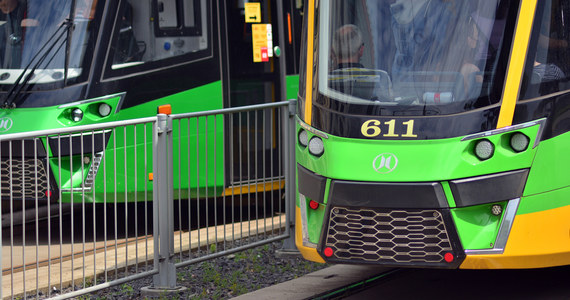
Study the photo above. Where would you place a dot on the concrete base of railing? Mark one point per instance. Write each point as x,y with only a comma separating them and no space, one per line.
152,292
287,253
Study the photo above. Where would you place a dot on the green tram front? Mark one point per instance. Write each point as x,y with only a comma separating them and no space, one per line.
431,133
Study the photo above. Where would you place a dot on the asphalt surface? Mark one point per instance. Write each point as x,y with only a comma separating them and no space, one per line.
550,283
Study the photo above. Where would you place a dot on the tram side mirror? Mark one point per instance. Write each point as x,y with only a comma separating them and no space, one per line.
160,6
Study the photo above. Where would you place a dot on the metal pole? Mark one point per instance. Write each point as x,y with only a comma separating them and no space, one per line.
289,247
283,56
164,283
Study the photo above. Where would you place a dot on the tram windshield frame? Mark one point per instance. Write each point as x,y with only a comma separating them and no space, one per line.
413,57
40,37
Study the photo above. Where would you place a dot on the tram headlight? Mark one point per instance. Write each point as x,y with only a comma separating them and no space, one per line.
104,109
76,115
303,138
316,146
519,142
484,149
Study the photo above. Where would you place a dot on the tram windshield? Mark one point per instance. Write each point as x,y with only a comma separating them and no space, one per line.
36,35
413,56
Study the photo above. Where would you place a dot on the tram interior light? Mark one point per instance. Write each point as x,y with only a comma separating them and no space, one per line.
76,115
303,138
484,149
519,142
316,146
104,109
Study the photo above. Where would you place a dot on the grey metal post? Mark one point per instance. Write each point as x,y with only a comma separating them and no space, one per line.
283,56
164,283
289,248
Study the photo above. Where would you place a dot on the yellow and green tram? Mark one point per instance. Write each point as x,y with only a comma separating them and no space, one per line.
66,63
435,133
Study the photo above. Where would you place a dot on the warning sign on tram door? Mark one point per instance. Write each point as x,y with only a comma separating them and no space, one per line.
253,12
264,55
262,38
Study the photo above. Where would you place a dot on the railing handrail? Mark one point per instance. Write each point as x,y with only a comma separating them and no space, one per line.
153,119
225,111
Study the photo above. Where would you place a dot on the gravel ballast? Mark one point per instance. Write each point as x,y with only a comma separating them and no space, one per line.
224,277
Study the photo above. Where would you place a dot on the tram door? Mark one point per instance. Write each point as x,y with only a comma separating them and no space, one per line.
255,76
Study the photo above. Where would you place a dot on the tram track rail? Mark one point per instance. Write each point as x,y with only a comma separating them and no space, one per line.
116,256
76,254
358,286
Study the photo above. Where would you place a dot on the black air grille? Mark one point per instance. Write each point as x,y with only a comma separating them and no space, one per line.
387,236
28,180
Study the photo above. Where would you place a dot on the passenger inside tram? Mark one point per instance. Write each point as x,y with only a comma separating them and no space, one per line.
432,57
548,44
472,77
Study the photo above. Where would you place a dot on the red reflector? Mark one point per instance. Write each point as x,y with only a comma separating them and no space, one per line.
48,193
448,257
328,252
313,204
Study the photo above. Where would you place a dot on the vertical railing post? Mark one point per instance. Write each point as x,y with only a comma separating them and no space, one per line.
288,127
164,283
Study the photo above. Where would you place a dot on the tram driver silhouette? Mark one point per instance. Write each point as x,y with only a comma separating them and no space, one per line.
347,47
348,75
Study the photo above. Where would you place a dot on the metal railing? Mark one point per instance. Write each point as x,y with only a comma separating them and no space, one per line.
89,207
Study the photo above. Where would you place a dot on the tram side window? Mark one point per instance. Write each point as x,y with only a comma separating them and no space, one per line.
547,69
167,29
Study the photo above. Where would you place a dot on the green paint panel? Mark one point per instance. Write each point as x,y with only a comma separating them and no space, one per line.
476,226
31,119
550,168
315,223
207,97
417,161
544,201
292,89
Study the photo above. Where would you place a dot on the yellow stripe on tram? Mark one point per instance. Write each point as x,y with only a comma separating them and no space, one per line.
309,79
254,188
537,240
516,63
308,253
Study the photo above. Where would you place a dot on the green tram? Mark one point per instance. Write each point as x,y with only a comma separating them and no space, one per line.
66,63
435,133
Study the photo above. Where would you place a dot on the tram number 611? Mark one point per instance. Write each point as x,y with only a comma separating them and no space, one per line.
371,128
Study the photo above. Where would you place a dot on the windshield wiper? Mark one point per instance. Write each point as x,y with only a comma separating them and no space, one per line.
67,45
62,31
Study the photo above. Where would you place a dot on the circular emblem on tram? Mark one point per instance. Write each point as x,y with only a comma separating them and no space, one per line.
385,163
5,124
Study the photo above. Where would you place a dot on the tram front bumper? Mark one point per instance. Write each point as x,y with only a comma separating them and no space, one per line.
402,224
